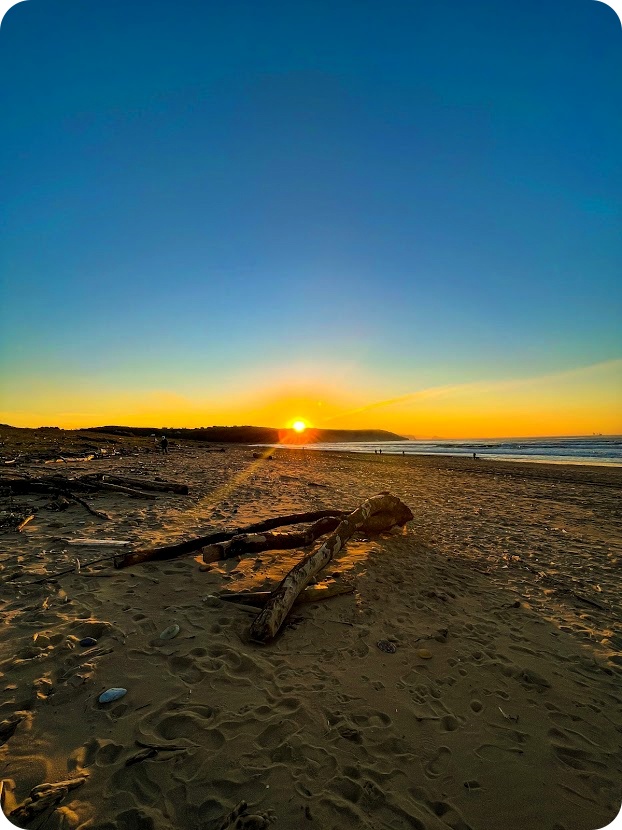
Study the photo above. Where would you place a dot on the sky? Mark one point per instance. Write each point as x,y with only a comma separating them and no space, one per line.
397,215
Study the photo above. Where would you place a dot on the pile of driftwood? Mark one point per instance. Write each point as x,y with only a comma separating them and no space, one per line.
66,489
376,514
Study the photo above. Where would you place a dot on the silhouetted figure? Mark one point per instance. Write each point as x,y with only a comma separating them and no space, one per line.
474,456
164,444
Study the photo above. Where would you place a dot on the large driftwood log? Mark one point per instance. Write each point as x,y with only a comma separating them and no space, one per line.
140,483
267,624
119,488
259,542
47,484
136,557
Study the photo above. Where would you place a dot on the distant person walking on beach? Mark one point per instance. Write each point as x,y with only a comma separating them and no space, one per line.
164,444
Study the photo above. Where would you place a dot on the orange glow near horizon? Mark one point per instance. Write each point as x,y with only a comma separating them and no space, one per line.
581,401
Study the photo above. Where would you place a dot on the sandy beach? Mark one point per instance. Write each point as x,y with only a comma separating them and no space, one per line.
498,709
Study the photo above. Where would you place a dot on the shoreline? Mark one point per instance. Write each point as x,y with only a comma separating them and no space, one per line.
482,458
468,464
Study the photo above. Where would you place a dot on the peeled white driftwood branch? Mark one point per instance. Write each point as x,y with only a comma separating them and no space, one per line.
313,593
268,622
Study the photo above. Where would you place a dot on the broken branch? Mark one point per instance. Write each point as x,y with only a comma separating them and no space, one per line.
267,624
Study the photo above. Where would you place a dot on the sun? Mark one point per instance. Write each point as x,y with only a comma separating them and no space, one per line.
299,426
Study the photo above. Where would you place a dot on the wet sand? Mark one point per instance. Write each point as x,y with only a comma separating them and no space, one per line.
500,707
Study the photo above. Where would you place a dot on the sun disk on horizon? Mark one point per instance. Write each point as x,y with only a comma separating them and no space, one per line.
299,426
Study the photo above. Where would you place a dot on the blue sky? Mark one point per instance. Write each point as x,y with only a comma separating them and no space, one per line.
426,193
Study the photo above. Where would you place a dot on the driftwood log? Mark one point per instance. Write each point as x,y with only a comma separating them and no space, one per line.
257,542
43,797
164,552
120,488
312,593
52,485
139,483
248,543
265,627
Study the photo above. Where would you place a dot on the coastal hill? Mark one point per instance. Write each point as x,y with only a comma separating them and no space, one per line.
255,435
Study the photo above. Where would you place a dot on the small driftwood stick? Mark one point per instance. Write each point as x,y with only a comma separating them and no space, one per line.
265,627
23,524
193,545
87,506
313,593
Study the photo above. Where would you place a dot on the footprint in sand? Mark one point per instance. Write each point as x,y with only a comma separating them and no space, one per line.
186,669
439,763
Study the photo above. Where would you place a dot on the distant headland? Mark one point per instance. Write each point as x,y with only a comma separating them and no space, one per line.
255,435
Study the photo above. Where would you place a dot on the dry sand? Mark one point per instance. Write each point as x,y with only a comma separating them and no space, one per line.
498,710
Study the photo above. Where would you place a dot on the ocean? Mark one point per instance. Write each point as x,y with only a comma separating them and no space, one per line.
596,449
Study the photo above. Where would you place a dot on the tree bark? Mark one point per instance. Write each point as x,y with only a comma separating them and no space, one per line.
265,627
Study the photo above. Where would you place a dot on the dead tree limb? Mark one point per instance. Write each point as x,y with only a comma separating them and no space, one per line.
119,488
139,483
248,543
136,557
100,514
43,797
258,542
266,625
312,593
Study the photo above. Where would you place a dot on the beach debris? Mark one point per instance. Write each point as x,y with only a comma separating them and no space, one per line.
95,542
87,641
265,627
424,653
111,695
23,524
159,486
120,488
42,797
170,632
13,520
164,552
386,646
248,543
506,716
313,593
143,755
